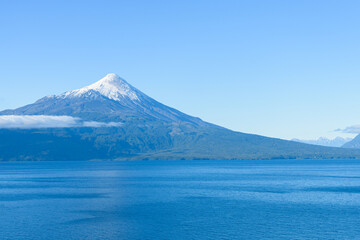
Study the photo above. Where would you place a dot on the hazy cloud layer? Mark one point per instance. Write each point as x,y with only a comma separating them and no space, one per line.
45,121
351,129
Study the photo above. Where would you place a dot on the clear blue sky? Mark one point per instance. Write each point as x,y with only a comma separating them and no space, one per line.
276,68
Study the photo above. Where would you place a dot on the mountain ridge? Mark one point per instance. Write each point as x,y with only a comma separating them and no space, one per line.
322,141
354,143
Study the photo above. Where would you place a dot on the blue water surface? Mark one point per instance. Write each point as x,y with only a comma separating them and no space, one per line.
268,199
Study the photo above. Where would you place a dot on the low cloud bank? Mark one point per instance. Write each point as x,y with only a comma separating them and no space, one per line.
355,129
46,121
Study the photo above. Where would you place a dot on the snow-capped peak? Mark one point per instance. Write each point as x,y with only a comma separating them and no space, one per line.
111,86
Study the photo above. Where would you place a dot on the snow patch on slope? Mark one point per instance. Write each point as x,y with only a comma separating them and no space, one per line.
111,86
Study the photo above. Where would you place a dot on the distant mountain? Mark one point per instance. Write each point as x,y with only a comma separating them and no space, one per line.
336,142
355,143
120,122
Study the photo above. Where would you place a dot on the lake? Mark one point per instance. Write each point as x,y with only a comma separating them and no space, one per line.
268,199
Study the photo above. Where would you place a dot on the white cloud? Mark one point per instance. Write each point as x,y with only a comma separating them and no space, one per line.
101,124
354,129
46,121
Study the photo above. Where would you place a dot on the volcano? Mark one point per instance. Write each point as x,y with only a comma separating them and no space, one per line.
122,123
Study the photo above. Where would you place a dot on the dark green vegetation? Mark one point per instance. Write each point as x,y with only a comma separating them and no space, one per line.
154,141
